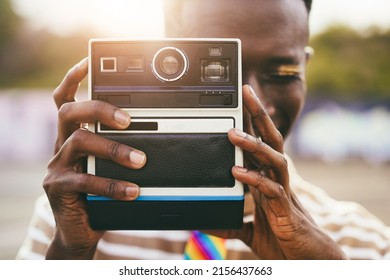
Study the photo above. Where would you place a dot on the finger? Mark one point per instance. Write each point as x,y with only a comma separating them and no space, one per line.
83,143
71,115
248,126
263,154
72,182
261,120
266,186
66,91
273,191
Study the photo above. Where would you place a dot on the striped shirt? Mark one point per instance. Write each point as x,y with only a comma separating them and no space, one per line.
360,234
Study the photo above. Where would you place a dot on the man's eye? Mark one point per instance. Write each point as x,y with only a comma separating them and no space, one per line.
285,73
281,77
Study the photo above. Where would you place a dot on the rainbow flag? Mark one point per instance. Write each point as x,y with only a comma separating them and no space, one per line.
202,246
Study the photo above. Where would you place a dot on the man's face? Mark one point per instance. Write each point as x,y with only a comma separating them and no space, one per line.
273,34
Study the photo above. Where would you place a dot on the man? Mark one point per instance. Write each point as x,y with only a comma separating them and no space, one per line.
274,35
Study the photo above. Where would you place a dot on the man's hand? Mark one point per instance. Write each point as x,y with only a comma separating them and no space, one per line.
281,228
66,184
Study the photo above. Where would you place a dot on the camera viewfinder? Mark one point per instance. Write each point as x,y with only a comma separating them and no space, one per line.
108,64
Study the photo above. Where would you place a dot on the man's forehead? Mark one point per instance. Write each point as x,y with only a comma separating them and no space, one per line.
277,28
246,19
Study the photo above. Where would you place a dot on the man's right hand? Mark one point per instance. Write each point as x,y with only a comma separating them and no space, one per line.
66,184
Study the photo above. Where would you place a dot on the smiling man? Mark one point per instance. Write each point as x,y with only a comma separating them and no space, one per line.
285,217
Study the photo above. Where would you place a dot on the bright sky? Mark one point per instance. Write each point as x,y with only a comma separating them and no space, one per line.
359,14
110,17
143,18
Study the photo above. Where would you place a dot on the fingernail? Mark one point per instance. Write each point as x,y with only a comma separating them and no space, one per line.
263,110
240,133
241,169
132,192
121,117
252,91
137,158
83,65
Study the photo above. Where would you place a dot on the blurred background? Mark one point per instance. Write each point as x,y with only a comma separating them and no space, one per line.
341,142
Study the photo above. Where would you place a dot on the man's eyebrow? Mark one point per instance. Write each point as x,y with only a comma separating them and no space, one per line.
273,61
283,60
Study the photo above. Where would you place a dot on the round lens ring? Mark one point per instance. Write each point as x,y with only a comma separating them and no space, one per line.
169,64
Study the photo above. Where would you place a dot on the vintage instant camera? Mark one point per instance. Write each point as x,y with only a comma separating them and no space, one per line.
183,96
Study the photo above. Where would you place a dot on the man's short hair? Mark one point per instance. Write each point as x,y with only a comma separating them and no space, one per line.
177,2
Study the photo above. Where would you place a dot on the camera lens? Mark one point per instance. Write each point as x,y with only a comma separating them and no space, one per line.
169,64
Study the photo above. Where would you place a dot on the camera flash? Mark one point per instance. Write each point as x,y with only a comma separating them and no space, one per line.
135,64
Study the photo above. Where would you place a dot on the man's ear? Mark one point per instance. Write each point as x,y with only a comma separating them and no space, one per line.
172,17
309,53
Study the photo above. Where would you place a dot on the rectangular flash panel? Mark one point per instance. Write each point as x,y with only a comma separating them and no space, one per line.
135,64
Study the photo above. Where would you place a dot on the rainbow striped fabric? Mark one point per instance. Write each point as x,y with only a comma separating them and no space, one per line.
202,246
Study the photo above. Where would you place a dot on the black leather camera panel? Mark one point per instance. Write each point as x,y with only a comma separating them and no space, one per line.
175,160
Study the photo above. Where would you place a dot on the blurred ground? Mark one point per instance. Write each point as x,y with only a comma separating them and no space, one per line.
19,187
347,180
352,180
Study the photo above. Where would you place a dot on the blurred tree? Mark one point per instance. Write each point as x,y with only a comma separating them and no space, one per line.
9,23
40,59
34,58
348,64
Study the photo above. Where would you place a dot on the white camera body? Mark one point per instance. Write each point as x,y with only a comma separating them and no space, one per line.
183,95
